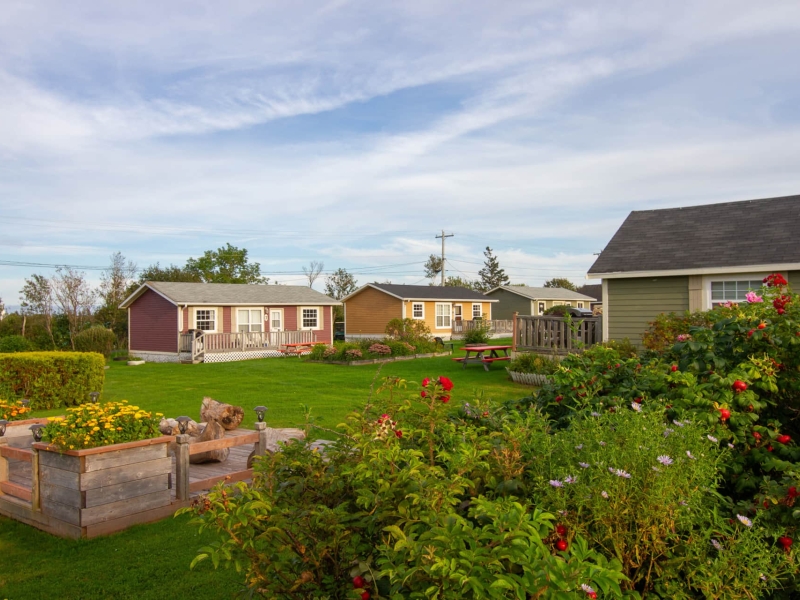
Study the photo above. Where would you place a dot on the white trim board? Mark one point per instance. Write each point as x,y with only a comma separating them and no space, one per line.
705,271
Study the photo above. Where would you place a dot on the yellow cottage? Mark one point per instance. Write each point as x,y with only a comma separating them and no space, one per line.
369,309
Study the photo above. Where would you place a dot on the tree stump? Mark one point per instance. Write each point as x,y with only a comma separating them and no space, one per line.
212,431
170,427
227,415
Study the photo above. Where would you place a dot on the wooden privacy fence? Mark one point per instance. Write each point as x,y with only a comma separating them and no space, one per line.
497,326
556,334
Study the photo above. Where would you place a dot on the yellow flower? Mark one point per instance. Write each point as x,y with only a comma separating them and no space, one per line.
95,429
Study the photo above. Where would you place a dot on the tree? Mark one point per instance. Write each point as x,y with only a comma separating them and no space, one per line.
433,267
114,286
225,265
75,297
36,298
456,281
339,284
491,274
313,270
2,309
171,273
560,282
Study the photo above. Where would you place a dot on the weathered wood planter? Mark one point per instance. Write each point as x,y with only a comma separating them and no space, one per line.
96,485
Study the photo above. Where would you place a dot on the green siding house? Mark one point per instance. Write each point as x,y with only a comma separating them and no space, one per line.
692,258
533,300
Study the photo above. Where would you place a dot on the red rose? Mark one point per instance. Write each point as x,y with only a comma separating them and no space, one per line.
446,383
724,414
769,448
592,595
359,581
674,368
559,398
792,492
750,333
486,413
739,385
784,439
637,400
762,325
562,545
426,381
365,596
398,434
766,503
561,530
785,541
445,399
424,394
781,311
617,365
756,435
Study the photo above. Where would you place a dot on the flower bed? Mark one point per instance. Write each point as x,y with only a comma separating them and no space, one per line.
532,369
14,410
366,351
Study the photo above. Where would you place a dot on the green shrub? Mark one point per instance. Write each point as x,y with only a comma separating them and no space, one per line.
479,333
623,347
15,343
51,379
407,329
664,331
559,310
528,362
95,339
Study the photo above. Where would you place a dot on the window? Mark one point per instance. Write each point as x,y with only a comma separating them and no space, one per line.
457,312
443,313
733,291
276,320
249,320
206,319
580,304
310,318
477,311
418,310
541,308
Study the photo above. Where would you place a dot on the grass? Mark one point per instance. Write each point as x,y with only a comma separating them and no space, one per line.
152,561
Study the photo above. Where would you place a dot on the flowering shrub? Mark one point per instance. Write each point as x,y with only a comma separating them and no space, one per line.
407,504
381,349
663,332
528,362
92,425
13,410
352,354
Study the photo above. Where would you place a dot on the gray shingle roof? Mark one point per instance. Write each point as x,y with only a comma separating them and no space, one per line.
730,234
595,290
236,293
543,293
430,292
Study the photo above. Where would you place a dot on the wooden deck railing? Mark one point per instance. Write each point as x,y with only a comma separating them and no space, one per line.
496,326
229,342
556,334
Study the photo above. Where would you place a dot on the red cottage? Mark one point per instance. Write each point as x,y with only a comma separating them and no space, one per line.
220,322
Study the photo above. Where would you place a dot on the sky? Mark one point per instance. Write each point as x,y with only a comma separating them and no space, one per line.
354,132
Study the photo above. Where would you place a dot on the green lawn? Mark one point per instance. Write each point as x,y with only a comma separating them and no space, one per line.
151,561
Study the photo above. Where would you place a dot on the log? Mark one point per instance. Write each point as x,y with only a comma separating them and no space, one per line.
212,431
227,415
170,427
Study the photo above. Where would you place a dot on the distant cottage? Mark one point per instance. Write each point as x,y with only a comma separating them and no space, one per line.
693,258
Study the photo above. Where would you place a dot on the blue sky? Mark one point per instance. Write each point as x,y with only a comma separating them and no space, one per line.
353,132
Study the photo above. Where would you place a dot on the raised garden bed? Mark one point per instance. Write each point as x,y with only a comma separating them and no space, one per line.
528,378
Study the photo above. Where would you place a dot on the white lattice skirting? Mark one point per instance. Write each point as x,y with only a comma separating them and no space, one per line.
216,357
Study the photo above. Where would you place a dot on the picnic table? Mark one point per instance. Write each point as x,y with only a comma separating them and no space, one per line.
298,348
485,355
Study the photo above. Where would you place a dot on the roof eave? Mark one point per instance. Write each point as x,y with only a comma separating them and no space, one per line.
141,290
696,271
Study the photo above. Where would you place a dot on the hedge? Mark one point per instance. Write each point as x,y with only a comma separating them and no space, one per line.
51,379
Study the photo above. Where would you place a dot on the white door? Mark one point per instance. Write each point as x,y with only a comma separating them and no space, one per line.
276,320
457,312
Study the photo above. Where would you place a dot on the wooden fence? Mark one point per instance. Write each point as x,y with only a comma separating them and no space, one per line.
556,335
230,342
497,326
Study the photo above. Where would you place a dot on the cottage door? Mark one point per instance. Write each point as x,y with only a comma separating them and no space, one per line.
457,312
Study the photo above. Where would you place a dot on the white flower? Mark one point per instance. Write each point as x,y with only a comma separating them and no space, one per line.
556,483
678,423
584,465
730,445
636,407
604,494
602,443
667,431
689,454
595,414
656,469
587,588
716,545
579,447
712,438
621,473
744,520
664,460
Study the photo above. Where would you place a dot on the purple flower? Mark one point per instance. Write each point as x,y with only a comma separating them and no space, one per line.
716,545
602,443
595,414
664,460
712,438
556,483
683,503
683,337
584,465
587,588
678,423
730,446
621,473
667,431
579,447
636,407
689,454
570,479
744,520
656,469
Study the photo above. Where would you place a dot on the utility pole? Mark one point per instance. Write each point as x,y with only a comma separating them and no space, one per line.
443,236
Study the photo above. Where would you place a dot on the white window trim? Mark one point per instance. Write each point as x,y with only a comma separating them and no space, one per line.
453,312
435,315
422,304
235,317
709,279
580,304
319,319
541,306
216,318
480,310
